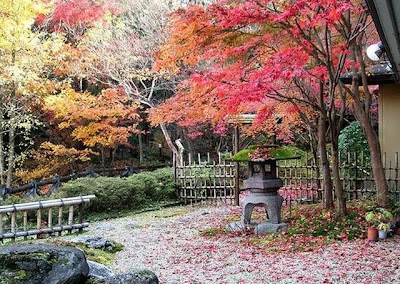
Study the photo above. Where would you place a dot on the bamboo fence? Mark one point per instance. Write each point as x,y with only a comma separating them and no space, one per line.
36,218
205,180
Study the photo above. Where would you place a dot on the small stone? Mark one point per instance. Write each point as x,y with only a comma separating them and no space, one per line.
99,271
105,227
135,277
161,225
96,242
132,226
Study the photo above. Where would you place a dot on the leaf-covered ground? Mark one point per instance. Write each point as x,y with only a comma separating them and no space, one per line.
186,245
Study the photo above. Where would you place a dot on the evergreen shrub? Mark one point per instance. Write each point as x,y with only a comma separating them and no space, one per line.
114,193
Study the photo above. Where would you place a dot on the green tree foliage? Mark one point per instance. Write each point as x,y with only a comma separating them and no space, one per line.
352,139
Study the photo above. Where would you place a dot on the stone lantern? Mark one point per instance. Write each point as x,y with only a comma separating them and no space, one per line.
263,185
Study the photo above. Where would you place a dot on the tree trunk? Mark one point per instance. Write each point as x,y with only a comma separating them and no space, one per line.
175,152
314,151
362,107
339,192
326,173
140,149
113,152
378,170
11,154
2,166
103,157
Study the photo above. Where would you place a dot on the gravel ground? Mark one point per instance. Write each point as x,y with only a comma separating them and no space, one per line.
168,242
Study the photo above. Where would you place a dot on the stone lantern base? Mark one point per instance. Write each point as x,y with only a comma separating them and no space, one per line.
261,228
272,202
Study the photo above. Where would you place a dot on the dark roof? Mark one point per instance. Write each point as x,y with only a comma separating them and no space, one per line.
386,16
378,75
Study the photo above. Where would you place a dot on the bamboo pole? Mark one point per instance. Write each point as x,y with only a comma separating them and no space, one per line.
13,224
70,216
39,219
43,231
25,220
46,204
50,218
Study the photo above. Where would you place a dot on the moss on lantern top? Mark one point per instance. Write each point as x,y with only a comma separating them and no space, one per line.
253,152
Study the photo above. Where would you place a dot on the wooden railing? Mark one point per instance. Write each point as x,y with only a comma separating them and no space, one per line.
22,225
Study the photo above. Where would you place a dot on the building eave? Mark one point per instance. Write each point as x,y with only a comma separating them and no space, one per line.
386,16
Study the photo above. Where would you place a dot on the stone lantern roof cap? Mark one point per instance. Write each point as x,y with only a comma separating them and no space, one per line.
264,153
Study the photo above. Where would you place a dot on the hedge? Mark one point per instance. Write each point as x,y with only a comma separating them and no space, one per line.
114,193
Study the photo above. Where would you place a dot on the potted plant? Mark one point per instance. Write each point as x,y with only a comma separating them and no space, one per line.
378,219
372,233
383,230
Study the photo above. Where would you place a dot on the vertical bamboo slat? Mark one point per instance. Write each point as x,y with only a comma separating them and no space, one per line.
224,180
13,223
70,216
25,220
50,218
59,218
38,218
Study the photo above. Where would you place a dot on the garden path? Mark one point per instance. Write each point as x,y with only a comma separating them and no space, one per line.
168,242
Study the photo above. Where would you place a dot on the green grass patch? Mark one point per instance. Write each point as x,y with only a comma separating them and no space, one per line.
103,256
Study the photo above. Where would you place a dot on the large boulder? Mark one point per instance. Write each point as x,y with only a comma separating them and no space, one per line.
41,263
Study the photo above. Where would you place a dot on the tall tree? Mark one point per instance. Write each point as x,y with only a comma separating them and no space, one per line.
121,53
25,60
293,51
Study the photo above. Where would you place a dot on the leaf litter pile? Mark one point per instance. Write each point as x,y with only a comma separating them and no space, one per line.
190,245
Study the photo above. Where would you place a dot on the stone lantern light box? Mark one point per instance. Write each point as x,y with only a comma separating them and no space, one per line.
263,184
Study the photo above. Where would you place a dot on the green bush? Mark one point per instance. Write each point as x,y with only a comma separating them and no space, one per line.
352,139
165,181
114,193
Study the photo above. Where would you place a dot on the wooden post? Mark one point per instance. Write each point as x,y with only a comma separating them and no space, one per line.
13,225
237,166
1,223
60,209
80,216
224,177
50,218
70,216
25,222
39,219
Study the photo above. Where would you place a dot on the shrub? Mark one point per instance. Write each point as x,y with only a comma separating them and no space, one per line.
114,193
165,181
111,193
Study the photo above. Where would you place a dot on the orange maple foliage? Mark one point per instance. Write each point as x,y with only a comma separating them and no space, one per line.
106,120
51,159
